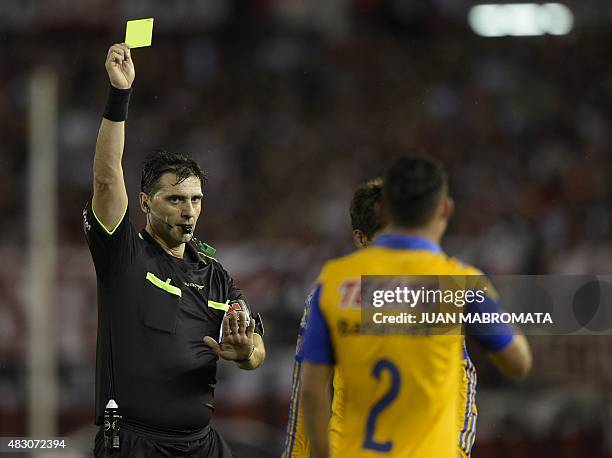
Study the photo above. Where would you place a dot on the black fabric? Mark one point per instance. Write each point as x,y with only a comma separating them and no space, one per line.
164,374
136,444
117,104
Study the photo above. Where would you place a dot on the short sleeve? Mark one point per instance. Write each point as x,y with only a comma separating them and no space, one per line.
111,250
233,292
317,347
303,324
491,336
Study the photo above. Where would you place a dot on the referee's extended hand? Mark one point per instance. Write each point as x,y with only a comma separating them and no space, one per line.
237,339
120,66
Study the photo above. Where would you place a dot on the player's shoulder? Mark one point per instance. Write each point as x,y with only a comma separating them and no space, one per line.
340,265
458,267
473,276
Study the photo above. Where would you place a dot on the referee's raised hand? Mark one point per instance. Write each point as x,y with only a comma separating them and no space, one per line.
237,339
120,66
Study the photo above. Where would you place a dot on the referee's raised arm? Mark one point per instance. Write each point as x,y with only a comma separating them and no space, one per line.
109,194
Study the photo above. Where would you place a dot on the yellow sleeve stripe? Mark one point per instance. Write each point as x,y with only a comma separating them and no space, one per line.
219,305
102,225
166,286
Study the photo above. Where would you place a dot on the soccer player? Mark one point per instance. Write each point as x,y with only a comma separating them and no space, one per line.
166,309
399,393
367,220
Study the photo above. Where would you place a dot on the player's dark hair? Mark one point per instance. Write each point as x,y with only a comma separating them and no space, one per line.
365,208
413,188
160,161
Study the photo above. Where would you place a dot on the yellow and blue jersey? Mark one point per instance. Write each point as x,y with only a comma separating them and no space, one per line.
467,412
398,395
296,444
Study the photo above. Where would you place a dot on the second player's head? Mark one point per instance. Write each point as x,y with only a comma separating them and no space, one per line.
416,197
171,195
367,218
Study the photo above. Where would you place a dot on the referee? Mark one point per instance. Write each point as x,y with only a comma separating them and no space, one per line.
166,309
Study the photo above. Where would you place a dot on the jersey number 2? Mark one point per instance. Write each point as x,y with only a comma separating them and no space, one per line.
383,365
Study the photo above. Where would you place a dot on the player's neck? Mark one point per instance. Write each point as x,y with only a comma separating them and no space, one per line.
177,251
426,233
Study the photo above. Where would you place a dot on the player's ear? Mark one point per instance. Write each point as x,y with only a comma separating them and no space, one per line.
448,207
144,202
359,239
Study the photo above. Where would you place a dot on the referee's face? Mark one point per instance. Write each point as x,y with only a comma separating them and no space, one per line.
174,205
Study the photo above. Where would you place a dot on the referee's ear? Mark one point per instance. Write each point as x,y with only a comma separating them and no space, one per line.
144,202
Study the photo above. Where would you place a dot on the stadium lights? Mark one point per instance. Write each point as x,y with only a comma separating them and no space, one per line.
521,19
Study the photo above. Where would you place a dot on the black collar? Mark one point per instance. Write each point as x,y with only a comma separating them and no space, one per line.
191,256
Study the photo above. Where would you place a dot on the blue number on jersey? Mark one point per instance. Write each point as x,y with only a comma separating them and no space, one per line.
369,442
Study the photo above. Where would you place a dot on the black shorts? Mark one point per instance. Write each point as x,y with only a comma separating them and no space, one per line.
141,444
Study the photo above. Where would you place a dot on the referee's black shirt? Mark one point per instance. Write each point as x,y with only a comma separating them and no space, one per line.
153,312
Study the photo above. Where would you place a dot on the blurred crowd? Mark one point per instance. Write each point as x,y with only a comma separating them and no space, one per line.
287,124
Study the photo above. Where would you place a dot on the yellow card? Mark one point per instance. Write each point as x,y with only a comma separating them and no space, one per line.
139,33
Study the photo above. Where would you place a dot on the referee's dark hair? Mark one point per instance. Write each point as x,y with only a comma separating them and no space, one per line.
160,161
366,213
413,188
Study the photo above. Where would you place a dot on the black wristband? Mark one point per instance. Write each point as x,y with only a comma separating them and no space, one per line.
117,104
